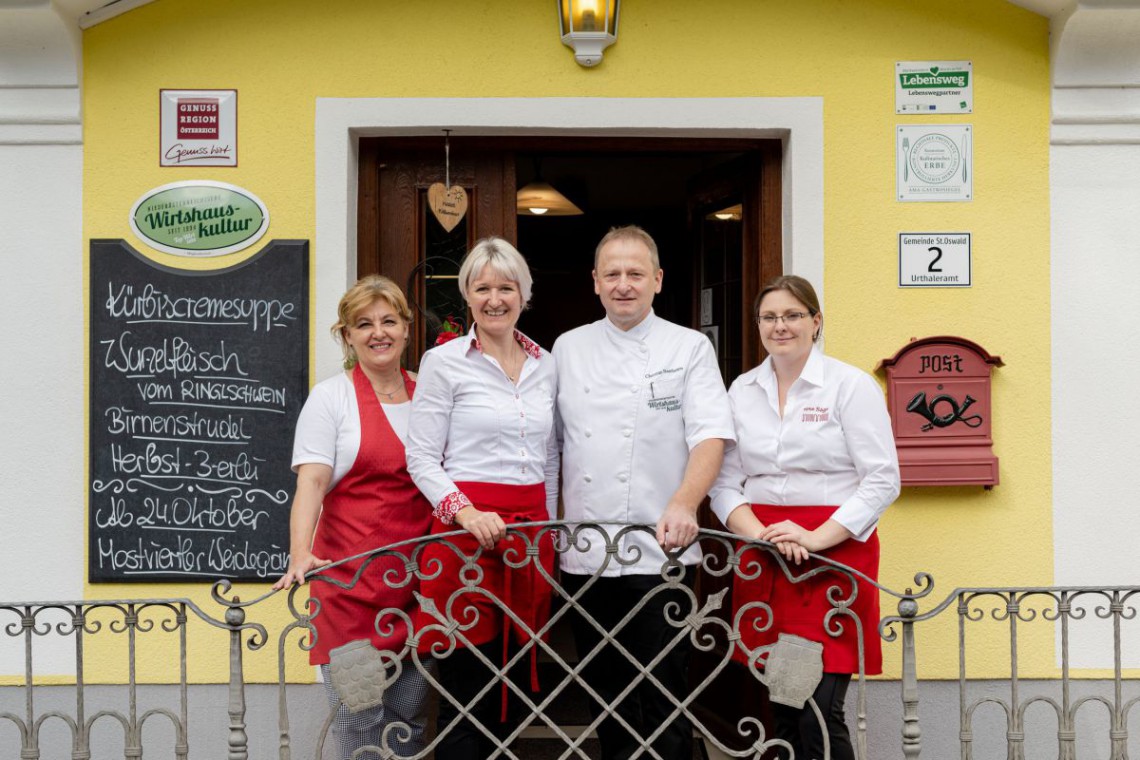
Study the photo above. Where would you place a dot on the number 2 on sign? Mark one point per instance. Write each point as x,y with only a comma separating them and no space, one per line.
937,255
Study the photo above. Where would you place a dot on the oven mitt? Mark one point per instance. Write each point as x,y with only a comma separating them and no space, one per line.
357,673
794,669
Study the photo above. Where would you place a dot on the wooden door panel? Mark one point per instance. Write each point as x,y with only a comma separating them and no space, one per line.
393,219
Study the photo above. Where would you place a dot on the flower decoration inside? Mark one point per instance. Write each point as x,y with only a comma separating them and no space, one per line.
451,329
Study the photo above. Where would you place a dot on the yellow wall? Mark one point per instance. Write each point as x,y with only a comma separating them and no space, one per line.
283,54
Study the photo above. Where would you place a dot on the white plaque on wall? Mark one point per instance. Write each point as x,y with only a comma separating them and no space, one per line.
934,87
706,306
197,128
934,162
934,260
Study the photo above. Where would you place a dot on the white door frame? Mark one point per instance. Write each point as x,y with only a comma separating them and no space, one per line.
341,122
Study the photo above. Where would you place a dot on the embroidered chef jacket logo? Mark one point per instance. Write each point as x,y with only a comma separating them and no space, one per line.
816,414
661,391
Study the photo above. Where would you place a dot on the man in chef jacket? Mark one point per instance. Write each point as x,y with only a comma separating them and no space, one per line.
644,418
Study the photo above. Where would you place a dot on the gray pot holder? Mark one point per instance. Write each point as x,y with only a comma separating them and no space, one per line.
793,670
357,673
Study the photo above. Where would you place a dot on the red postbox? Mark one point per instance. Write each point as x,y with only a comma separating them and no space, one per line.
939,397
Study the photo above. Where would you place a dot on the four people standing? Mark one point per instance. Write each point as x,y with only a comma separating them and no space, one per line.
639,409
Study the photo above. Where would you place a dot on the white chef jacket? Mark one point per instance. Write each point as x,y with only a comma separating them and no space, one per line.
833,446
470,423
632,404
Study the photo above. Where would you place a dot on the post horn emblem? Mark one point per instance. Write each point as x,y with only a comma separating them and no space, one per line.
918,405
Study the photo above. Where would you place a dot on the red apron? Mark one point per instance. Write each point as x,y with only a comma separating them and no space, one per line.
522,590
373,505
800,608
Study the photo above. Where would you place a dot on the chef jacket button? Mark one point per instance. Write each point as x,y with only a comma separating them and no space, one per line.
642,348
634,389
627,432
516,395
623,477
586,389
589,432
587,478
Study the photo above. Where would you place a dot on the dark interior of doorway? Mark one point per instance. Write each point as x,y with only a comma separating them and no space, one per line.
650,190
670,194
674,186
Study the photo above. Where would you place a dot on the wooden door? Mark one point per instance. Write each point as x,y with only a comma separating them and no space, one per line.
734,232
399,237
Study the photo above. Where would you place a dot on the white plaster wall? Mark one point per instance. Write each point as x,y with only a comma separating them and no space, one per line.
41,323
1095,176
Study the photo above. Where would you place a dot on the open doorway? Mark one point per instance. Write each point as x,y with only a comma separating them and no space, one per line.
647,189
675,188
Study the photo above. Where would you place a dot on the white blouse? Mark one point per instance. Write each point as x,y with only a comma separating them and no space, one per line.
470,423
328,428
833,446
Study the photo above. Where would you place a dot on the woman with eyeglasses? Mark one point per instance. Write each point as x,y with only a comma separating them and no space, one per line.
813,468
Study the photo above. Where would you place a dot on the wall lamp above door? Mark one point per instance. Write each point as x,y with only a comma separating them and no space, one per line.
588,26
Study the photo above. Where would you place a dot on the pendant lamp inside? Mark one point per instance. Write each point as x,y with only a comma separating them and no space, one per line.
541,199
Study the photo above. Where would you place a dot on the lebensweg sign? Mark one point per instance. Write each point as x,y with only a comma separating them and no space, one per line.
934,87
199,218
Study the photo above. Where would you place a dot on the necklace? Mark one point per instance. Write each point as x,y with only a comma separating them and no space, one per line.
386,394
516,366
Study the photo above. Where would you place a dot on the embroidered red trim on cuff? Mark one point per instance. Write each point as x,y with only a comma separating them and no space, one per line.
446,510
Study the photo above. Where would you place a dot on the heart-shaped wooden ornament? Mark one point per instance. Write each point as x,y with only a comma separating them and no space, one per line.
449,204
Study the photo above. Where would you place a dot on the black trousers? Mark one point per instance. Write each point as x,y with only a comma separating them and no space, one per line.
800,728
645,708
463,675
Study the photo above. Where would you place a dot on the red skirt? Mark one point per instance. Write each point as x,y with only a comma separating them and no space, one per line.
801,608
522,590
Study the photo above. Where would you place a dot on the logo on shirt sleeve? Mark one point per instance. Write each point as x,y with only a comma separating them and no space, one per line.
816,414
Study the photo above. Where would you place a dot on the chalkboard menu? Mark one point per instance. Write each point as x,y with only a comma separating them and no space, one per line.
197,379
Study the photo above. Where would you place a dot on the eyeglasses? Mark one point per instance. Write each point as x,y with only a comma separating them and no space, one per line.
791,319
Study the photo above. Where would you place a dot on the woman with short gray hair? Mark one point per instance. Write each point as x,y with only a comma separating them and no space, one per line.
482,449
